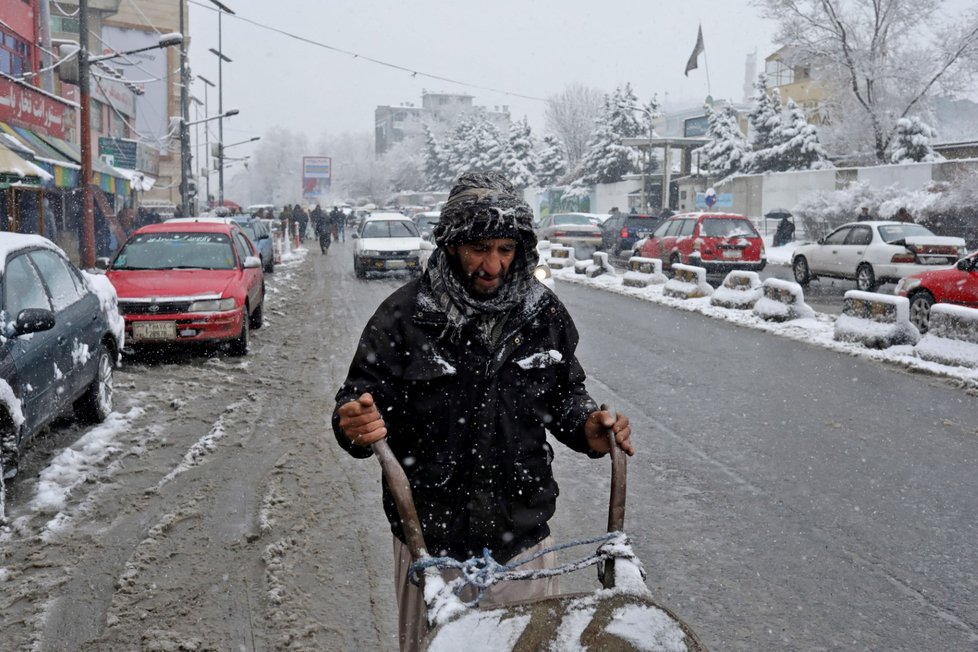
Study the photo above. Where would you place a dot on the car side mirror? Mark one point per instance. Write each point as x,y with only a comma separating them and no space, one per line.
966,264
355,236
252,261
821,241
102,263
33,320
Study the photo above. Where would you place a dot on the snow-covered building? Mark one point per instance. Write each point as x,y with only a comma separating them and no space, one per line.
393,124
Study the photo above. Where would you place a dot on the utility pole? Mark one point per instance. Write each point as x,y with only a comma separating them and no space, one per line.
184,119
207,138
84,100
221,9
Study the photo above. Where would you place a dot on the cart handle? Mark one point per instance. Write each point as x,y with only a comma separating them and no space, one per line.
400,489
619,473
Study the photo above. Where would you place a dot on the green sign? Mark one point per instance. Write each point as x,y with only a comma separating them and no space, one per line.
122,151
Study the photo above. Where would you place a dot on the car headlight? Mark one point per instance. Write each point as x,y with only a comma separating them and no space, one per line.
542,272
369,253
906,285
212,305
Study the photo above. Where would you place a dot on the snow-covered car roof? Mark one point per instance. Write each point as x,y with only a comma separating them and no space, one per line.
13,241
374,217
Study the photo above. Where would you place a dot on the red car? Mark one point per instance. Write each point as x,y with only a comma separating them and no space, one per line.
187,281
958,285
720,242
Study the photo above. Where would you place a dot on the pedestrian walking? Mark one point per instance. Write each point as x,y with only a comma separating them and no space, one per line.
320,223
335,219
464,371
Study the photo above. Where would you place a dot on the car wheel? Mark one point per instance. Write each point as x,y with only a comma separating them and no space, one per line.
239,345
802,274
258,314
356,269
95,404
270,267
920,303
865,278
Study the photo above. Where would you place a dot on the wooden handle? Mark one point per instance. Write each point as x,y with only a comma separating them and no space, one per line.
616,505
400,489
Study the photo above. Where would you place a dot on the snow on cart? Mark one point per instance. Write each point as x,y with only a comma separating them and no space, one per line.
621,615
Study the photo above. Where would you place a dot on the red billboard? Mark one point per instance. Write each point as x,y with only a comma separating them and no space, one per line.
28,107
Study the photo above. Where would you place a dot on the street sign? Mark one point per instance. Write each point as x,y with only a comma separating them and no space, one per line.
122,150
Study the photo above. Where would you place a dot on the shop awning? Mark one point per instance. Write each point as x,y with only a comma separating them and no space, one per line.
19,171
104,175
64,172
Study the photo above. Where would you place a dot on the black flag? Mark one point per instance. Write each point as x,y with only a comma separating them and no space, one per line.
692,64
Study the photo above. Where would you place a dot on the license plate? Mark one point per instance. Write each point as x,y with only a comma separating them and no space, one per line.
395,264
732,253
154,330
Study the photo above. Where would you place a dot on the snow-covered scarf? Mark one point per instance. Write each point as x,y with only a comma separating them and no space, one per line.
461,307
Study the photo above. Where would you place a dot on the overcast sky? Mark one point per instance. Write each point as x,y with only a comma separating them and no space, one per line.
532,49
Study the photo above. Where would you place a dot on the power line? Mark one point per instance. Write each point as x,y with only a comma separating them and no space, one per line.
355,55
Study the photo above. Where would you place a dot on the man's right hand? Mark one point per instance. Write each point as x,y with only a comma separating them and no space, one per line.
361,422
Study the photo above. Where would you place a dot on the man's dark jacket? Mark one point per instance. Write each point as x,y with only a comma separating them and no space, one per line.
467,422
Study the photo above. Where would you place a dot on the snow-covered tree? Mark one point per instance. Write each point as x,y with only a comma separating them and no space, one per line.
765,122
488,147
882,60
460,151
607,160
552,164
520,164
571,115
437,171
727,147
911,142
799,148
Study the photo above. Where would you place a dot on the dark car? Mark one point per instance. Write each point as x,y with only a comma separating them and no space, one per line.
620,232
60,336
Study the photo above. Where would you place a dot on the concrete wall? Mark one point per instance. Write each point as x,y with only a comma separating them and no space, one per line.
608,195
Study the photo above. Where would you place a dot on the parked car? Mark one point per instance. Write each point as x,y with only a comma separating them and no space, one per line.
720,242
620,232
387,242
255,229
958,285
60,336
874,252
570,230
426,221
189,281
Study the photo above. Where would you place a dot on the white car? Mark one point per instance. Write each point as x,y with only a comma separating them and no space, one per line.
875,252
388,242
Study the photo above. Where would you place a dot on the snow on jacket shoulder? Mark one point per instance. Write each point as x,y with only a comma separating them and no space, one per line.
469,423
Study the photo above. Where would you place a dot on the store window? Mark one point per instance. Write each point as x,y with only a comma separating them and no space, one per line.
14,54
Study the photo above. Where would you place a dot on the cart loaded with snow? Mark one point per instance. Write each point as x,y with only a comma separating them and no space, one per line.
621,615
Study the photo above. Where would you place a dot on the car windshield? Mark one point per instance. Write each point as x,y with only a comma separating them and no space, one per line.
564,220
727,227
894,232
428,220
640,223
389,229
176,251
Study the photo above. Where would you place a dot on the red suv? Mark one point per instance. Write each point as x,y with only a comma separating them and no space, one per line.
720,242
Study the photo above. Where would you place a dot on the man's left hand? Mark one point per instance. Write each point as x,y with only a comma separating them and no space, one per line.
596,430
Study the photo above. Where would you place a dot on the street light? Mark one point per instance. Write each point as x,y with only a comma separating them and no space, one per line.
207,133
221,10
226,114
84,102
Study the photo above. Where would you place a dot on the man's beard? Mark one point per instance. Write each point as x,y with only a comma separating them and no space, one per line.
476,293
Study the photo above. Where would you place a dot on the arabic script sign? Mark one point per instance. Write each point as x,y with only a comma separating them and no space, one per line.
24,106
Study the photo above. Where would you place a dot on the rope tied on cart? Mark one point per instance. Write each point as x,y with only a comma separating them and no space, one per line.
483,572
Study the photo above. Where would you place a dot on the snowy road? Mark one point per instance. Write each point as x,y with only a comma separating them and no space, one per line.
784,496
